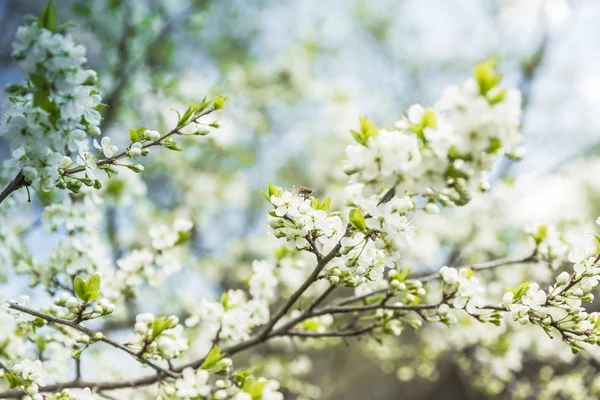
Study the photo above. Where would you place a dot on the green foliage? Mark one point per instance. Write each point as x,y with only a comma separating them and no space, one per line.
367,129
137,134
272,191
88,290
159,325
357,219
48,17
254,387
212,359
241,376
15,381
318,205
520,291
219,102
540,235
428,120
486,76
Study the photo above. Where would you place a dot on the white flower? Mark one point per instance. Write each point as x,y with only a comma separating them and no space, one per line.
563,278
151,135
183,225
263,282
135,150
508,299
534,298
86,160
163,237
31,370
449,275
107,149
193,384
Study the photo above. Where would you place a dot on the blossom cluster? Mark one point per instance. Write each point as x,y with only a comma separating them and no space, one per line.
440,153
560,308
465,289
195,384
298,218
156,262
158,337
233,317
54,114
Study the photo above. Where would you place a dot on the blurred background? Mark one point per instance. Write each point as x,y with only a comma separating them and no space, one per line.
298,74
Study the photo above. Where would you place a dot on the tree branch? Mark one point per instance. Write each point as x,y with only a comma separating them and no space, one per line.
17,183
157,142
91,333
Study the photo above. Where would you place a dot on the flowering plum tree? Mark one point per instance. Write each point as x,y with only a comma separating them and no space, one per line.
338,272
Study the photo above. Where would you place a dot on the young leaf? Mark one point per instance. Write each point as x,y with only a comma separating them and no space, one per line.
357,219
48,16
266,196
254,387
240,376
79,287
93,284
186,116
219,102
274,190
158,326
213,357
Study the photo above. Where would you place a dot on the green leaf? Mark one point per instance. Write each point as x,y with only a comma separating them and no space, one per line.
266,196
498,97
225,299
219,102
48,16
597,238
281,252
486,75
203,104
358,137
159,325
133,136
402,275
172,145
213,357
357,219
254,387
93,284
240,376
14,380
520,291
87,290
469,273
429,119
274,191
183,120
325,204
79,287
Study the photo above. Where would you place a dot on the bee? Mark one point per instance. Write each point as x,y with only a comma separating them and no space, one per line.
305,192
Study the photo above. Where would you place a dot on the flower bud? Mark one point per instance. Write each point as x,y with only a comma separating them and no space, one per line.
432,209
151,135
93,131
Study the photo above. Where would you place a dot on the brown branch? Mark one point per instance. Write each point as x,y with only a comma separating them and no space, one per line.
482,266
17,183
356,332
91,333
